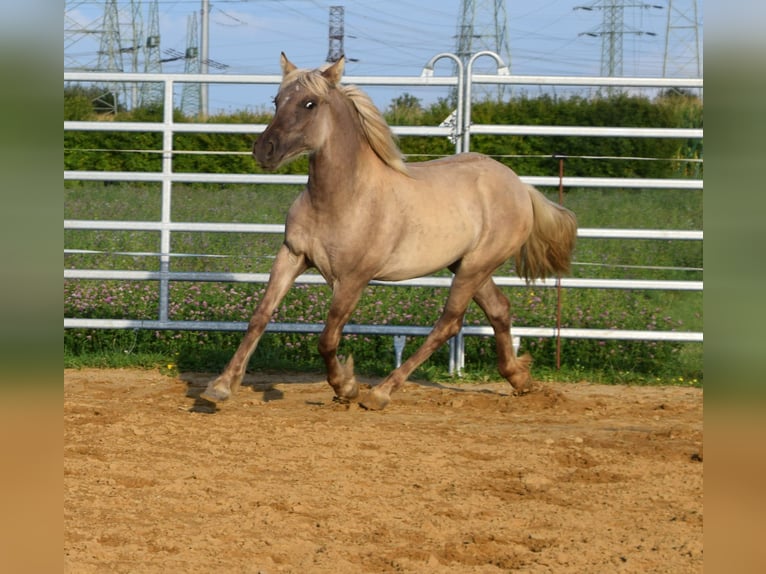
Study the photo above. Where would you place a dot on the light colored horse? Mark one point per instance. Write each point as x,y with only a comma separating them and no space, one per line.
366,214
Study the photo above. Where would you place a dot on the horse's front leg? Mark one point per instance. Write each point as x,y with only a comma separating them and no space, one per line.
340,376
286,268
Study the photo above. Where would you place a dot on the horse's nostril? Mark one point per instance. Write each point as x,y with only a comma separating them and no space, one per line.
265,151
263,148
268,148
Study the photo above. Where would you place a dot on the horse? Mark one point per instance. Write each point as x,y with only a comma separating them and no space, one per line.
366,214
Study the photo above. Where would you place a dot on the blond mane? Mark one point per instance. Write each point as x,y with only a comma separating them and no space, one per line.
379,135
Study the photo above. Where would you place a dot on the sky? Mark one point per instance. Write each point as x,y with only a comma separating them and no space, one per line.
397,37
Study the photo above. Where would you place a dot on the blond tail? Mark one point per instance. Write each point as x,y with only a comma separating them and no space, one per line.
548,250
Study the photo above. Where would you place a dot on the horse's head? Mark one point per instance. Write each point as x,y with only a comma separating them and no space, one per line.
301,121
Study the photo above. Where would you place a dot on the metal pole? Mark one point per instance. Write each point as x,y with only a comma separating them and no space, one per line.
502,70
558,278
204,58
167,188
428,72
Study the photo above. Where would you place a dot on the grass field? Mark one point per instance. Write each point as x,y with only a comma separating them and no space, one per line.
618,361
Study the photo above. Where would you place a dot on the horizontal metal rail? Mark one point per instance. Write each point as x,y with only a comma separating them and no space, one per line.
252,129
265,178
588,81
264,79
393,330
315,279
277,228
487,129
589,131
425,80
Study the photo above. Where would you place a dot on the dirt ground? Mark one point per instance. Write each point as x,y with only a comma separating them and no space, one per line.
449,478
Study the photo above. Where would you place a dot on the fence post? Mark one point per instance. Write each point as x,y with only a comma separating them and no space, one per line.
502,70
399,342
561,159
167,190
457,354
428,71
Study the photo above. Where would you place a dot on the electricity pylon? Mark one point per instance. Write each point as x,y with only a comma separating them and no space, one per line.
483,26
80,39
152,93
682,41
110,56
191,94
612,31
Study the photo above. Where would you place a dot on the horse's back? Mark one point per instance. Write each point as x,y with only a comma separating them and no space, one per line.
459,159
471,170
469,181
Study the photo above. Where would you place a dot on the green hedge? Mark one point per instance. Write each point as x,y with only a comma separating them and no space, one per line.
138,151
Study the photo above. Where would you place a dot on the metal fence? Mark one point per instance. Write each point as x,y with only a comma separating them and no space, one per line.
460,131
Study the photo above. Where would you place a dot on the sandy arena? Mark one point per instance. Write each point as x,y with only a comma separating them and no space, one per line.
459,478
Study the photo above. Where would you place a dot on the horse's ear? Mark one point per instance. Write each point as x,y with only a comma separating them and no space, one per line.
287,65
334,73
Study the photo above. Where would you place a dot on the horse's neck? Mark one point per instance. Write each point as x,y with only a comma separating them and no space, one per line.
337,170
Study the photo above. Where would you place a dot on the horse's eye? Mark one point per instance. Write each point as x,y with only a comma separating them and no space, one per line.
310,105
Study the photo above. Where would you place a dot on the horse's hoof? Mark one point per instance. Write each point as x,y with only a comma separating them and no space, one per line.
348,389
528,387
522,392
373,401
521,382
215,395
349,392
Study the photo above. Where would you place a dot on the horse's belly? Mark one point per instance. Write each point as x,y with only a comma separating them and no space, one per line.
424,255
403,272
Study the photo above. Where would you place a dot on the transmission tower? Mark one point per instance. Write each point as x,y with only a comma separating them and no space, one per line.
121,43
191,95
136,47
335,49
612,31
152,92
80,38
682,41
110,56
110,50
483,26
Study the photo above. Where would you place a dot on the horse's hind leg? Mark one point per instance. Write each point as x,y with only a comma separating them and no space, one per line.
287,266
448,325
498,310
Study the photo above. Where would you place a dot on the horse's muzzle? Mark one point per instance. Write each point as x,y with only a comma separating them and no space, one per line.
264,152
